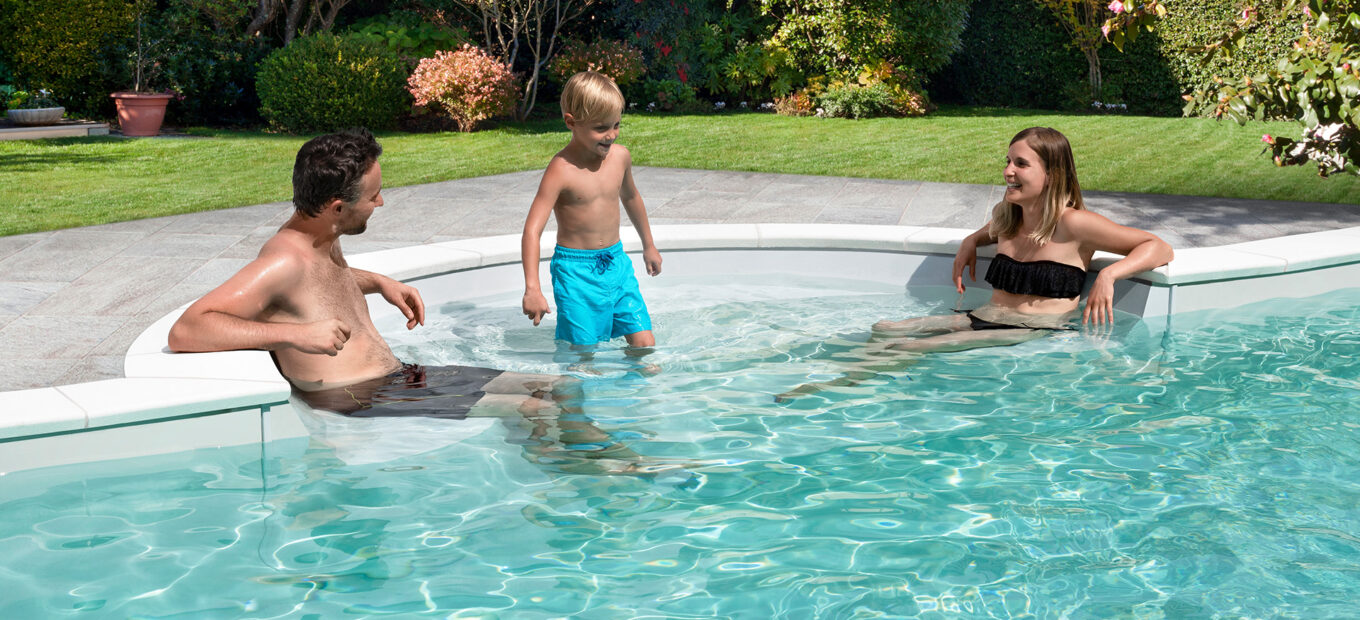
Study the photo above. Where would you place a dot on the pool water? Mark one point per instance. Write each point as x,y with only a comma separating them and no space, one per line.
1209,469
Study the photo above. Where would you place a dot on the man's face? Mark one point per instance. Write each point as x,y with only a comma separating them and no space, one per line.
354,217
595,136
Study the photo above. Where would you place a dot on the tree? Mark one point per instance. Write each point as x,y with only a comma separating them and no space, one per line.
1082,19
320,16
1317,83
534,25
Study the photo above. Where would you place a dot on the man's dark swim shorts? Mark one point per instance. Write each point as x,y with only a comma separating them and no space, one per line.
413,390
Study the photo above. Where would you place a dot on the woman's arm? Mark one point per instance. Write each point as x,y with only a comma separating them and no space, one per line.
966,257
1142,251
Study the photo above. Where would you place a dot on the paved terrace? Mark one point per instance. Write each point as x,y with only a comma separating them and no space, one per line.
72,301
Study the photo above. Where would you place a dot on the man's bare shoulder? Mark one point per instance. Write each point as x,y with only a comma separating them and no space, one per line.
286,254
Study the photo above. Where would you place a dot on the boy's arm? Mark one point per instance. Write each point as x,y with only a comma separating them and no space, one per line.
534,304
225,318
404,296
637,213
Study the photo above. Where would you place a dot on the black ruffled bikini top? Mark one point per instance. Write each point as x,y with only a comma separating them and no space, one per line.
1044,278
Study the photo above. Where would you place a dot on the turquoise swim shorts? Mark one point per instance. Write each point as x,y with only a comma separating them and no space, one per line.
597,295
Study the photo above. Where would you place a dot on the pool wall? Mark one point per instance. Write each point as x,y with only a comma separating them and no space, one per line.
178,402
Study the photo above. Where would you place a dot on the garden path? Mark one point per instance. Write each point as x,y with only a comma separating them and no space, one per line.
72,301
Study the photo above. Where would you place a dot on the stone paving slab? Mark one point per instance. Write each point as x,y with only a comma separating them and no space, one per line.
72,301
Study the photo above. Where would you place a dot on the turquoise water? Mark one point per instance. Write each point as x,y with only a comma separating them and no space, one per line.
1209,470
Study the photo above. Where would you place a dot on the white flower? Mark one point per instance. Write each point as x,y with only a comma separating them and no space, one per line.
718,105
632,105
743,105
651,106
1097,104
821,112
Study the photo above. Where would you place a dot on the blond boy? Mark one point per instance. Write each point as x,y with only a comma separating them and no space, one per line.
594,288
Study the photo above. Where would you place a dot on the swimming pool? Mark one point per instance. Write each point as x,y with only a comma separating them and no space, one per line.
1208,469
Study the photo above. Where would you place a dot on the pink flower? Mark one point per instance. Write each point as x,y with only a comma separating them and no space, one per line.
1265,137
1307,11
665,50
1105,30
1248,12
1117,7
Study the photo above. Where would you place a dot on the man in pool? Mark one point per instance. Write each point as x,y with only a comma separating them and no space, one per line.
301,301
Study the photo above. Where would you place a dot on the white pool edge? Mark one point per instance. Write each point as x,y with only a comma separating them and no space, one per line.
175,402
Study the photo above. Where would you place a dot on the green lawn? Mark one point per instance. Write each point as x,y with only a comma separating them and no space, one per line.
59,183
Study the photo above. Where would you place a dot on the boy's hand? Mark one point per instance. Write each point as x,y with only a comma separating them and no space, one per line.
534,306
652,258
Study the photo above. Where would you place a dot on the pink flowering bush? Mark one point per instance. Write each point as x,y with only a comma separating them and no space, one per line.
616,59
468,84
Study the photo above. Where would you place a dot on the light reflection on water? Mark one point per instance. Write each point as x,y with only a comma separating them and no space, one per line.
1210,470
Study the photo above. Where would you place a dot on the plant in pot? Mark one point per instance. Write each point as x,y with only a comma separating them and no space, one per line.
31,108
142,109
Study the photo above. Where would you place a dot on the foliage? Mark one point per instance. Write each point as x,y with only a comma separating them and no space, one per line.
796,104
667,95
857,101
1317,82
616,59
326,82
836,37
410,35
536,26
208,61
468,84
1082,19
760,71
60,45
27,100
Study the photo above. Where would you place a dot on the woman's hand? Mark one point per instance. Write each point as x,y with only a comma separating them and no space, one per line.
1100,303
966,257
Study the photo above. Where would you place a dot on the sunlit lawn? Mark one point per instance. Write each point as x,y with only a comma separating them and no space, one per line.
59,183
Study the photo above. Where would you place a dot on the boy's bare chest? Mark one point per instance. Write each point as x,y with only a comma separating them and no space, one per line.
584,189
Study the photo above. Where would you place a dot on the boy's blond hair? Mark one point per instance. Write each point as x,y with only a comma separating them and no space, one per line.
590,96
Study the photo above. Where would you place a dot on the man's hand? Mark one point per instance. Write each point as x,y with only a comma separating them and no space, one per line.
325,337
534,306
652,258
406,298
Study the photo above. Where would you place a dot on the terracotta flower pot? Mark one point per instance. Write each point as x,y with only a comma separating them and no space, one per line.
141,114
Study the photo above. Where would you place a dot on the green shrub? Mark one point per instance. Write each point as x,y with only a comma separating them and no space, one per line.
1015,54
326,82
836,38
616,59
409,35
61,45
667,95
858,101
208,62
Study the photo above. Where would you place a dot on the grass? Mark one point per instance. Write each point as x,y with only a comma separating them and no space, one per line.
65,182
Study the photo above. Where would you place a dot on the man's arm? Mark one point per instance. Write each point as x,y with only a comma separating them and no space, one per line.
226,318
534,304
404,296
637,213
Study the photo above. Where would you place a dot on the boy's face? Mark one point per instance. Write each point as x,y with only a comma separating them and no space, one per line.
594,136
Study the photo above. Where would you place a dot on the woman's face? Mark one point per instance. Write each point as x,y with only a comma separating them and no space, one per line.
1025,175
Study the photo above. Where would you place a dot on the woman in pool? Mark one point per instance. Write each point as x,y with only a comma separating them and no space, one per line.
1045,239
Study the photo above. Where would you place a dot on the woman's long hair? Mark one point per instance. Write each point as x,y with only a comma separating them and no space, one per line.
1061,190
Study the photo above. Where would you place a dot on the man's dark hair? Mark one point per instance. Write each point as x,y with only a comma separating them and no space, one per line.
330,167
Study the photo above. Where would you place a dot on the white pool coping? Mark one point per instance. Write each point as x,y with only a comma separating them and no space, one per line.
172,402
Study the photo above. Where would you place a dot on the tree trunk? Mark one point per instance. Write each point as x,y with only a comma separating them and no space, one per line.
1093,72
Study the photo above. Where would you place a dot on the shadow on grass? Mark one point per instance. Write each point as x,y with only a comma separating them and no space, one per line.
39,162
